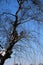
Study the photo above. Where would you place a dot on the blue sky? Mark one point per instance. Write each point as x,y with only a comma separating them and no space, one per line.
27,47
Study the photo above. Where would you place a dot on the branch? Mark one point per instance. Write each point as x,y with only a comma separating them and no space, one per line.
7,52
36,2
1,46
7,13
33,17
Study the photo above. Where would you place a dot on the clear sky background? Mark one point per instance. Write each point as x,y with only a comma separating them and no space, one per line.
24,51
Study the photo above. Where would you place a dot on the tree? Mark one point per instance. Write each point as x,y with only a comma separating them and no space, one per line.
24,14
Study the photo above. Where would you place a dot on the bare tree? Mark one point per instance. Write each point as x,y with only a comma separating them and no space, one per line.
12,36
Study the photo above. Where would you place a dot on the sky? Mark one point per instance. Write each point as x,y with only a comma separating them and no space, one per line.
25,49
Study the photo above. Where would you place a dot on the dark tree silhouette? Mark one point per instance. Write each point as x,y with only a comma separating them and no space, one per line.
12,35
